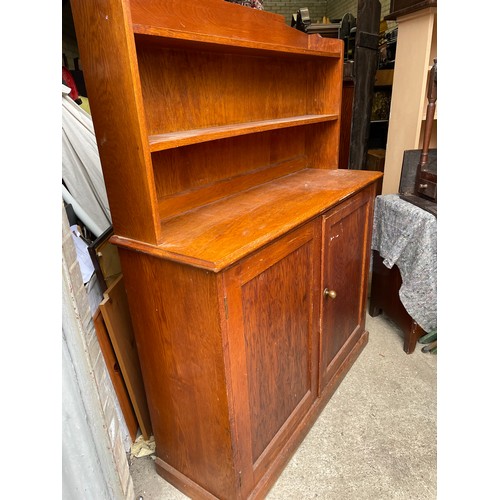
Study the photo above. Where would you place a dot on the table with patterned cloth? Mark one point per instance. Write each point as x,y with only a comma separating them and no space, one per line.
406,236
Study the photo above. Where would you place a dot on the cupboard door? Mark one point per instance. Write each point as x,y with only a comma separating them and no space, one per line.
347,236
272,312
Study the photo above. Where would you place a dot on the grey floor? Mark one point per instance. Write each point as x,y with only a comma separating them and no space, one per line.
375,439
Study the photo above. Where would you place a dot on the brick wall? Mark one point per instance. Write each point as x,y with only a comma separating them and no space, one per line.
333,9
337,8
119,441
317,8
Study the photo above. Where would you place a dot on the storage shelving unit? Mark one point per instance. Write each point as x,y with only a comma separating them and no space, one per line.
244,250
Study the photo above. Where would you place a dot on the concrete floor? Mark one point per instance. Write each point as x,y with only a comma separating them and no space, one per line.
375,439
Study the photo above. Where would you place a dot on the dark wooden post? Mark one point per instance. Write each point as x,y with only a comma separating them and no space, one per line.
365,67
429,121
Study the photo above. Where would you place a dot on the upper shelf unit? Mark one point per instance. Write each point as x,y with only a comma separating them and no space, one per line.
195,102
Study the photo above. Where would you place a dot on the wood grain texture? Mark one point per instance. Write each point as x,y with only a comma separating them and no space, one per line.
324,89
211,95
230,127
214,95
171,206
344,264
115,311
217,235
160,142
255,29
178,332
115,374
277,302
300,432
273,314
107,51
235,355
180,171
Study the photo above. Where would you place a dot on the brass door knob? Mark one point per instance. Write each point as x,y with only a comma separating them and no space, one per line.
329,293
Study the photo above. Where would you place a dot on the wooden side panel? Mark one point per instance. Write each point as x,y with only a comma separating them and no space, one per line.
324,87
107,51
176,319
272,311
347,238
115,311
322,148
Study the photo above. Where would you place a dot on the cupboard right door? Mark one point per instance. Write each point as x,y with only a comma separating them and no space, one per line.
345,266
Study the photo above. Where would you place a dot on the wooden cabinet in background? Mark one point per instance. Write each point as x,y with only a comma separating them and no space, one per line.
416,51
218,131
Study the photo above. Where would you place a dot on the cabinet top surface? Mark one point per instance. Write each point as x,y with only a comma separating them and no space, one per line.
217,235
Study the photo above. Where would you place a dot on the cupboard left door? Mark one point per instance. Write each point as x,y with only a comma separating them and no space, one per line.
273,326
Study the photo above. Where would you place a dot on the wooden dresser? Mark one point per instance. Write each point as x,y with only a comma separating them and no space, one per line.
244,250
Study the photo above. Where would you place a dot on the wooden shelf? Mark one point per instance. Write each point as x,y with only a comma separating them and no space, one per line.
167,37
170,140
205,237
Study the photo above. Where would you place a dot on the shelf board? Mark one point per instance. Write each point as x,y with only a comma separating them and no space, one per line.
185,39
170,140
216,235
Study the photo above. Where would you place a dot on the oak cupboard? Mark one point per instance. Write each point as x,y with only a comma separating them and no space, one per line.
244,249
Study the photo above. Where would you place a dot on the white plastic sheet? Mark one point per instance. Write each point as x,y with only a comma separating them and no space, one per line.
81,165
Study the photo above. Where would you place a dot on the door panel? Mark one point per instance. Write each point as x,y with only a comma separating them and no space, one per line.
344,263
276,317
274,298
